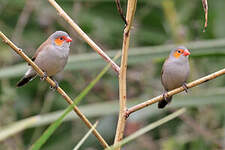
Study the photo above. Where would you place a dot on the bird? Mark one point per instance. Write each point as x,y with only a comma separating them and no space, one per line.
51,57
175,72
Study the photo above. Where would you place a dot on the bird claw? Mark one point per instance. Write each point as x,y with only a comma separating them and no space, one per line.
165,95
185,87
44,76
56,85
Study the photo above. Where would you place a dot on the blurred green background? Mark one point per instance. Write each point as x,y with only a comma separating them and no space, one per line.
159,26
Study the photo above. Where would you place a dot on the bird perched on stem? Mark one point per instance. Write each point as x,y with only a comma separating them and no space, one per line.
51,57
174,73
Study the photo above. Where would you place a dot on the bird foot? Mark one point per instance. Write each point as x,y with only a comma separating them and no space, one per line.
165,95
56,85
44,76
185,87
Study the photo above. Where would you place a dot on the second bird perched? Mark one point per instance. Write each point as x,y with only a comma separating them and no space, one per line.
175,72
51,56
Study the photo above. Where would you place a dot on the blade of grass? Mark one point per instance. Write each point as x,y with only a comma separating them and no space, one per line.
85,136
50,130
147,128
17,127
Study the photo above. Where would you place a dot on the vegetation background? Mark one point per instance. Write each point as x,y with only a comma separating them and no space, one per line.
157,24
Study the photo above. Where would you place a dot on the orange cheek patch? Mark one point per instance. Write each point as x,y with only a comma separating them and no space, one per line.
58,42
176,54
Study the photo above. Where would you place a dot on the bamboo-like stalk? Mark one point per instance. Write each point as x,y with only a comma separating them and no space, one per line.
131,7
84,36
52,83
175,91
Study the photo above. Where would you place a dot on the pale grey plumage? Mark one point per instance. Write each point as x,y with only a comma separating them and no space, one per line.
50,57
175,72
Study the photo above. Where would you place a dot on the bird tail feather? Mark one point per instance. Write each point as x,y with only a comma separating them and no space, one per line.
25,80
164,102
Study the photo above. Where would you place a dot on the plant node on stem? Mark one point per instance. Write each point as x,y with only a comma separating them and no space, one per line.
131,7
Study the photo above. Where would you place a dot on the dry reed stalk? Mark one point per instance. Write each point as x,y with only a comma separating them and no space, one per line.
131,7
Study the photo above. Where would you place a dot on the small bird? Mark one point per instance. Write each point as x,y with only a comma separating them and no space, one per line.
174,73
51,57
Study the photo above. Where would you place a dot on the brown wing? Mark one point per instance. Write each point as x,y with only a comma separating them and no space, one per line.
40,48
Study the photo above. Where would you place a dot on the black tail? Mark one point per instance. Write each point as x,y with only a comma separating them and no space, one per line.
164,102
24,81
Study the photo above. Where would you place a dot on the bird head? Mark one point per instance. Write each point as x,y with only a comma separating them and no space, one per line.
61,39
180,53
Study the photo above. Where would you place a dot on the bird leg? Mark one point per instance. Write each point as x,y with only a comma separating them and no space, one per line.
44,76
165,96
185,87
56,84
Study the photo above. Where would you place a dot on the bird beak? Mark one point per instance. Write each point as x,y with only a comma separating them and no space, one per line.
186,52
68,39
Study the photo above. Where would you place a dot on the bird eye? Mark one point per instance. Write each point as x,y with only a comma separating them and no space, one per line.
61,38
179,51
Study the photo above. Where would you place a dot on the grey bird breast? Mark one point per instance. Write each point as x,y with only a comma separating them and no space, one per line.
174,74
52,60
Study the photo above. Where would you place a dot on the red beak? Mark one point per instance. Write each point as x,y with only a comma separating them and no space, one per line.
68,39
186,52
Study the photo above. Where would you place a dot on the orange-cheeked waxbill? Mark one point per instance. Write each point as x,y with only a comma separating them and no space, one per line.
175,72
51,56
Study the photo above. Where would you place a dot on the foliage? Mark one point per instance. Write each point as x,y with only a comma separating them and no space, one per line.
151,39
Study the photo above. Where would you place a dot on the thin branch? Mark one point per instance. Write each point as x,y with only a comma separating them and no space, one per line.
52,83
175,91
205,6
120,10
131,7
84,36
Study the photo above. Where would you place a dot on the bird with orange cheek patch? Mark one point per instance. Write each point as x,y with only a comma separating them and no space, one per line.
174,73
51,57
